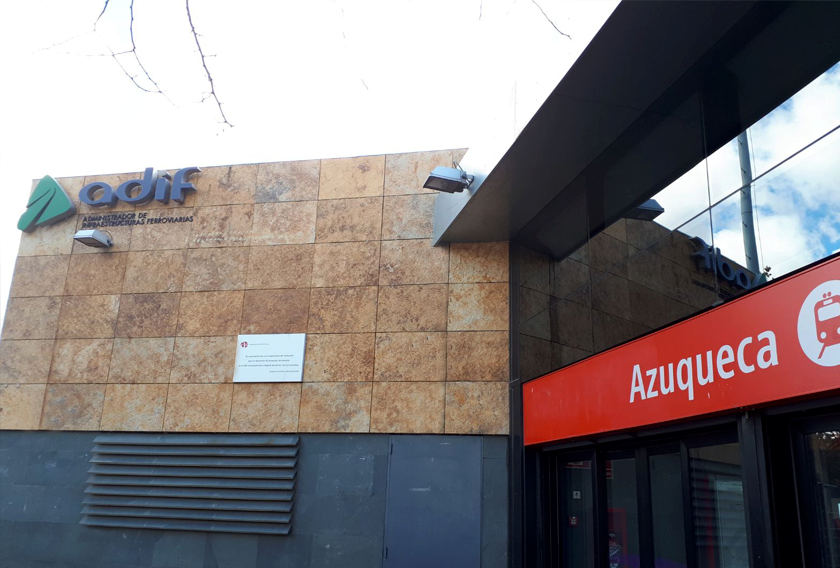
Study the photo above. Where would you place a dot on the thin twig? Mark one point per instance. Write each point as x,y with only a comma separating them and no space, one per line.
129,75
105,7
549,20
133,50
206,70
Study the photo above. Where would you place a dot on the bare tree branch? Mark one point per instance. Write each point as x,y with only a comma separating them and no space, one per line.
133,50
105,7
206,70
549,20
133,78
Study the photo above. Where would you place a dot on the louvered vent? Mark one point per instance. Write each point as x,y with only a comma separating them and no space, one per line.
194,482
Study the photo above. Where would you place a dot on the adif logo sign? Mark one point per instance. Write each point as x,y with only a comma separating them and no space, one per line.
819,324
48,204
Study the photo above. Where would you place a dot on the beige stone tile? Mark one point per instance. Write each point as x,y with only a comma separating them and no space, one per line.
343,178
96,274
478,262
342,310
88,317
288,181
408,217
419,356
165,229
134,408
346,264
406,173
281,266
478,307
225,185
154,271
148,315
210,313
618,230
120,235
31,318
114,180
286,223
342,220
49,240
412,308
71,185
203,360
477,356
216,269
141,360
275,311
81,361
407,408
458,154
20,406
339,357
413,262
265,407
26,361
39,276
222,226
335,407
72,407
477,408
198,408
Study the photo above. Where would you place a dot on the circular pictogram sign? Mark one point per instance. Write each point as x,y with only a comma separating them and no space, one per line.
819,324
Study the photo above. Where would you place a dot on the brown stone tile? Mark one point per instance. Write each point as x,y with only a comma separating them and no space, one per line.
39,276
477,356
158,235
222,226
339,357
275,311
286,223
534,315
198,408
569,276
413,262
265,407
342,220
407,408
607,253
535,270
346,264
406,173
148,315
154,271
419,356
342,310
31,318
20,406
288,181
609,331
478,262
120,235
477,408
281,266
458,154
225,185
534,357
611,294
478,307
618,230
562,355
88,317
96,274
216,269
571,324
343,178
72,407
412,308
50,240
141,360
81,361
408,217
203,360
335,407
210,313
25,361
134,408
71,185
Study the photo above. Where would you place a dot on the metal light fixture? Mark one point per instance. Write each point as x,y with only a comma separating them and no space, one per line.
94,238
647,211
450,180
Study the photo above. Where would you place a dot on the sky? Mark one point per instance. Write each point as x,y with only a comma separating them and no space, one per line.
297,79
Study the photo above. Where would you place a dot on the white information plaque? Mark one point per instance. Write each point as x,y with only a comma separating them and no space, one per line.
269,358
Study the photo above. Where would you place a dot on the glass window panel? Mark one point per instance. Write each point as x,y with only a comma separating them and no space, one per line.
667,511
824,449
622,513
577,547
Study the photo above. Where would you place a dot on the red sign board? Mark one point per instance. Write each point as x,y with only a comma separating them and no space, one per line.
780,342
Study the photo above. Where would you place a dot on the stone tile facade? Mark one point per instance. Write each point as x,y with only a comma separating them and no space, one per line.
403,337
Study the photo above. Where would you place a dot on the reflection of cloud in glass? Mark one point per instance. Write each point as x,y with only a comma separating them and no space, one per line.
797,204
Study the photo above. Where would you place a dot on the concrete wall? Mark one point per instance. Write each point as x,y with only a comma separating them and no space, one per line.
403,337
338,516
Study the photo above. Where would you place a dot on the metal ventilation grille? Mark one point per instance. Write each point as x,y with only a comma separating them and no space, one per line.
194,482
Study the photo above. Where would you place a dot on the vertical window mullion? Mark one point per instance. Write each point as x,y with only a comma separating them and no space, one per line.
645,508
688,508
599,484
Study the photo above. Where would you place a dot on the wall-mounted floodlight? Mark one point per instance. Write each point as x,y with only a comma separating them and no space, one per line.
93,238
450,180
647,211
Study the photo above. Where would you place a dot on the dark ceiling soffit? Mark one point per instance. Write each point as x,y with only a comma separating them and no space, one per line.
640,52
